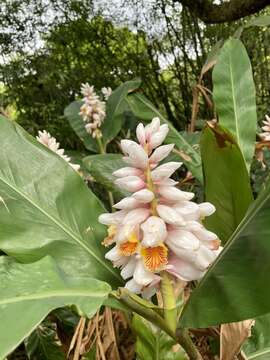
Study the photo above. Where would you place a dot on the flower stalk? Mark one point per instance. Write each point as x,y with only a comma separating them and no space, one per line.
169,303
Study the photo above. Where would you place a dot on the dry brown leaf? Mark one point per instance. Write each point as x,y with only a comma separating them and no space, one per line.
232,336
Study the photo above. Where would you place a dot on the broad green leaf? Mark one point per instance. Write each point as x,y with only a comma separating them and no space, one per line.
42,343
257,347
144,110
152,343
234,96
46,209
226,180
101,168
116,107
28,292
235,287
78,125
261,21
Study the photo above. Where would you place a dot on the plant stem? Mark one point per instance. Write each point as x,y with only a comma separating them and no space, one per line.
169,304
180,336
100,145
102,150
183,338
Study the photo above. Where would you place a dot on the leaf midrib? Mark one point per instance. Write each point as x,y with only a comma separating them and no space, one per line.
53,294
234,105
60,225
259,353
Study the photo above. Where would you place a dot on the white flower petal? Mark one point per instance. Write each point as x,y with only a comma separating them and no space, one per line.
154,231
134,287
183,270
140,133
130,183
171,193
141,275
144,196
182,239
112,219
127,203
125,144
161,153
165,170
136,216
157,138
188,209
152,127
127,171
206,209
169,215
128,270
137,156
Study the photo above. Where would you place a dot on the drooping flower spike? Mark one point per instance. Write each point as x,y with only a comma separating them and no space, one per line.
93,109
50,142
158,227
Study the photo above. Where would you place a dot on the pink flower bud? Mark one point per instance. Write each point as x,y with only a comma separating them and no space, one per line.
169,215
127,204
130,183
112,219
127,171
183,270
206,209
152,127
189,210
171,193
137,156
158,138
144,196
140,133
125,145
165,171
161,153
136,216
154,231
182,239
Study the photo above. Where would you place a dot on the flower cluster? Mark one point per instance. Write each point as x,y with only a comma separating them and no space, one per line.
50,142
266,128
93,109
157,227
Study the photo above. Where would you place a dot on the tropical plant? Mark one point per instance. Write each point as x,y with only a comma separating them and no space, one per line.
176,265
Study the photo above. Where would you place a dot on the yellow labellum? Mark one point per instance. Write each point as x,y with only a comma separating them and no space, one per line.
129,247
155,258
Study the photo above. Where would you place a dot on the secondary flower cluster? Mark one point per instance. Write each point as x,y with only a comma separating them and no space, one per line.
93,109
266,128
157,227
50,142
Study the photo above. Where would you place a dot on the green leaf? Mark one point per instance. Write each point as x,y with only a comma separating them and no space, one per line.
234,96
263,21
76,122
257,347
28,292
46,209
101,168
144,110
153,344
117,105
235,287
226,180
42,343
